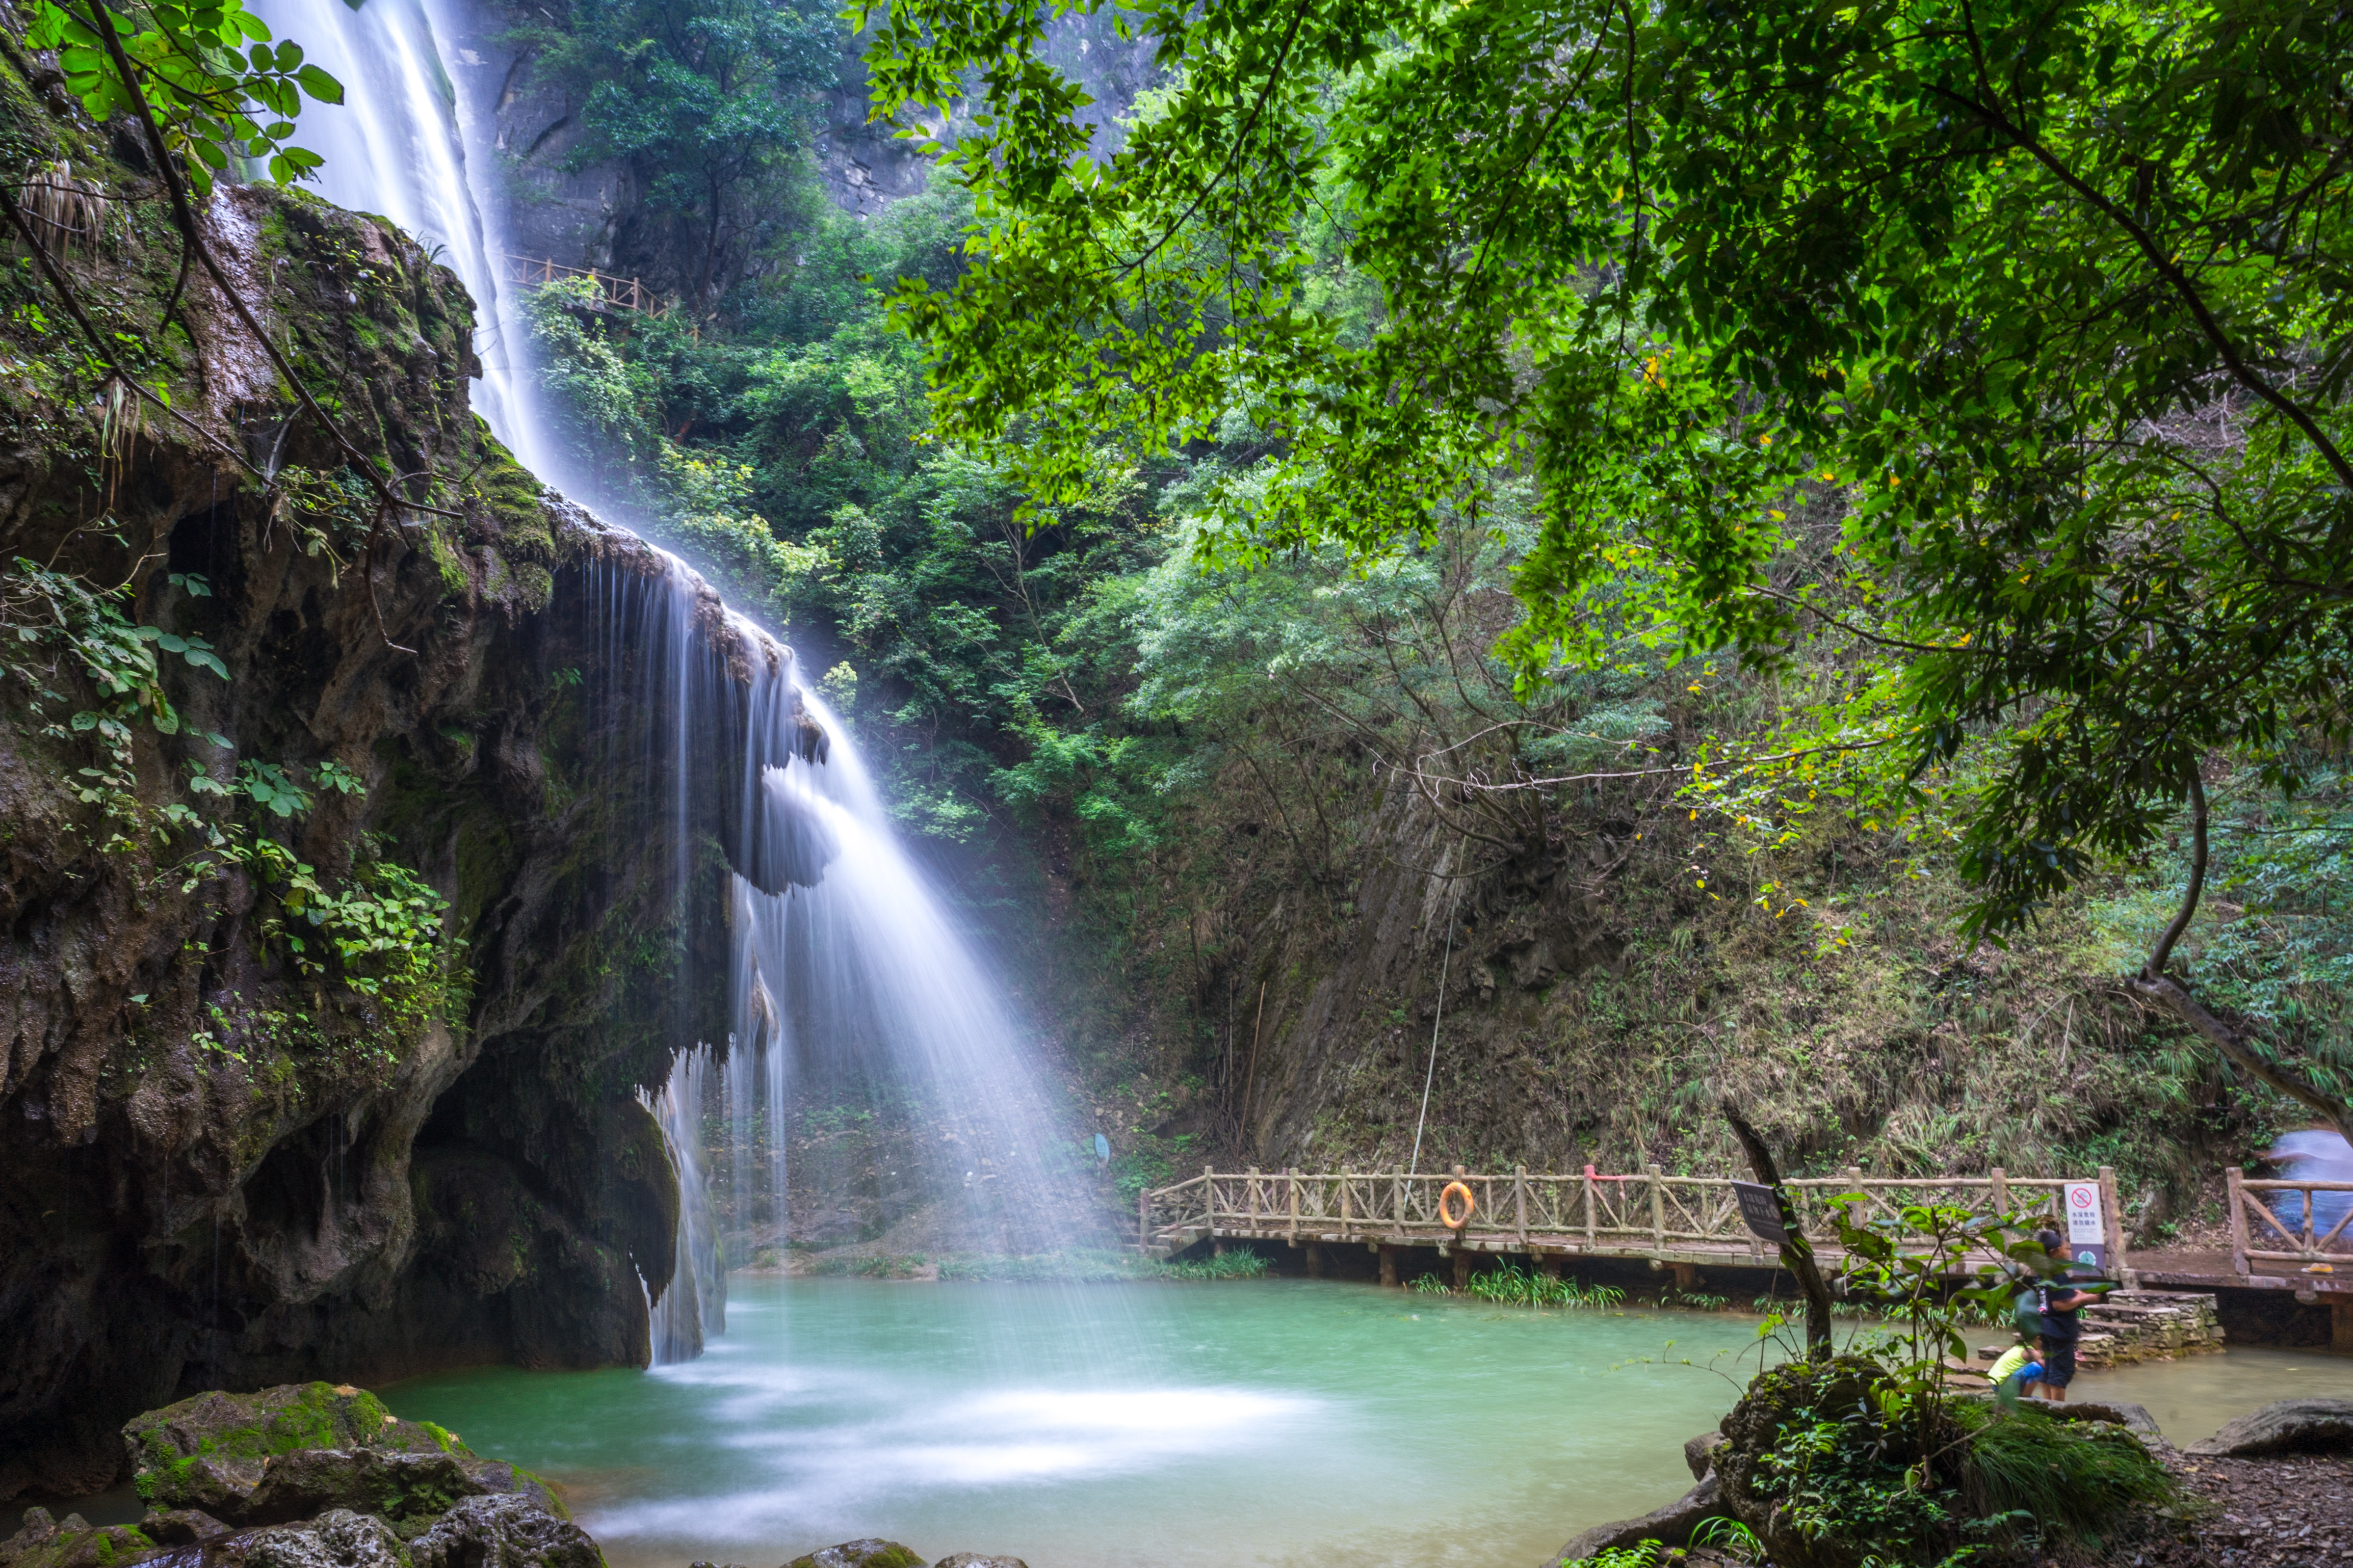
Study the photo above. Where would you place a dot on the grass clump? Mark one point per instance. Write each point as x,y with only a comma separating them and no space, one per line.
1238,1264
2046,1478
1512,1286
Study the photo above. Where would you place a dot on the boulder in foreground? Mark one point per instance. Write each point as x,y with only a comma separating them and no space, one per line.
305,1449
869,1552
2311,1425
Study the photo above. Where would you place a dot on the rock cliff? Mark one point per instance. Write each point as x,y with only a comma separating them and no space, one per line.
348,883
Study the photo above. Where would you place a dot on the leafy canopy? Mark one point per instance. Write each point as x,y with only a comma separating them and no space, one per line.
206,71
2048,298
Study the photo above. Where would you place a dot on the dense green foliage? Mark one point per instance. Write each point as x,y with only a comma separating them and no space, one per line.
207,73
706,105
1069,646
2001,345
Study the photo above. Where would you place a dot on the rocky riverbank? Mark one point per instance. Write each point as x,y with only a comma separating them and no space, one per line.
322,1476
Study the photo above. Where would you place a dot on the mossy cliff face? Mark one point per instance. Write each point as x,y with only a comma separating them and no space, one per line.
229,1157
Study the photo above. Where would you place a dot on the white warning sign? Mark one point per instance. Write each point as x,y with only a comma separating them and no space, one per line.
2083,1228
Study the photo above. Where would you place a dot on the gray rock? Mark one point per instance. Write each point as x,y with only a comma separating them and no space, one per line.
2133,1418
338,1540
1696,1452
180,1527
40,1528
871,1552
1669,1526
974,1560
504,1531
2311,1426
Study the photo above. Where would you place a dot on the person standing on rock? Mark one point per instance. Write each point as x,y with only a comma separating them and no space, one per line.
2057,1303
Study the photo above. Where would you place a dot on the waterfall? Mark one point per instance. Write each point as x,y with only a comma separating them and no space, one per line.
397,148
693,1309
846,980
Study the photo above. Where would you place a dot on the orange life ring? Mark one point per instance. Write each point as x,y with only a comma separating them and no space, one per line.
1470,1206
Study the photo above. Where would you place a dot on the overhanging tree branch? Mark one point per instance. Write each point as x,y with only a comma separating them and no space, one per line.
2155,985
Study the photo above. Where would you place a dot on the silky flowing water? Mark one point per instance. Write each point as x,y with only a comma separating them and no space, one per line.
1274,1422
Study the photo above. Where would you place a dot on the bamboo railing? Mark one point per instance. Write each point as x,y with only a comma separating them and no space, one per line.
614,293
2279,1222
1520,1210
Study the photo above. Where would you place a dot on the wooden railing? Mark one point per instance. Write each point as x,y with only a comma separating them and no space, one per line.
2286,1222
1646,1209
613,293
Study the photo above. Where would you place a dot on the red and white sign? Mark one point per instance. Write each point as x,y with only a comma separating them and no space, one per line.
2083,1203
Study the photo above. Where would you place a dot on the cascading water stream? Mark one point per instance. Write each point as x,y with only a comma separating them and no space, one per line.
846,980
396,147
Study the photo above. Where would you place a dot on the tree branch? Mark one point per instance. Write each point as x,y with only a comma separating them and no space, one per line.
2165,268
2153,985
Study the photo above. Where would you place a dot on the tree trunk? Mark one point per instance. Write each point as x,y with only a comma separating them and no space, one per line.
1797,1254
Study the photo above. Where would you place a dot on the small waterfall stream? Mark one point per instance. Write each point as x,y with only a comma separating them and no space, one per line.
847,978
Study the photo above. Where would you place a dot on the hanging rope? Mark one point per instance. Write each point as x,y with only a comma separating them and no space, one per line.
1427,1078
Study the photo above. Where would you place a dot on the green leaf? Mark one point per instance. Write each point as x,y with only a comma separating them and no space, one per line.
319,85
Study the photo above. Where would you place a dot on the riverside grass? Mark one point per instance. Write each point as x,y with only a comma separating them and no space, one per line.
2071,1478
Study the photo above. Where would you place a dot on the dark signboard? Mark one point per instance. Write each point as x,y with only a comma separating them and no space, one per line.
1761,1210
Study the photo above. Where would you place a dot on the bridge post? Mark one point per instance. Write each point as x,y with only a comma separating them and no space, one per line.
2000,1191
1388,1264
1658,1207
1209,1202
1520,1201
2112,1217
1254,1201
2235,1198
1144,1218
1292,1172
1588,1206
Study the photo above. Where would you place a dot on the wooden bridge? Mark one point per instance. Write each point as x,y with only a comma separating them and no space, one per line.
1689,1222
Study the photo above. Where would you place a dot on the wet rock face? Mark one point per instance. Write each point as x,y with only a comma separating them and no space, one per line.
869,1552
219,1166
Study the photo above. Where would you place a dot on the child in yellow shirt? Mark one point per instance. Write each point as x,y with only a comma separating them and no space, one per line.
2019,1365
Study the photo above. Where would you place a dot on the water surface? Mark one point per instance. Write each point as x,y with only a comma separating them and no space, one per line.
2191,1398
1276,1422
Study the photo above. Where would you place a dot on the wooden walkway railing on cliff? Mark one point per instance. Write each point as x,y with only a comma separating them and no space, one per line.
1695,1220
613,293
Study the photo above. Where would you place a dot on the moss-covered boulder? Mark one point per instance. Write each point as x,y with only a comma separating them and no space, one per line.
304,1450
73,1542
1829,1471
869,1552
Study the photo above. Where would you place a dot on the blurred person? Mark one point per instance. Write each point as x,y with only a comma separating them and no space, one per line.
2314,1155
